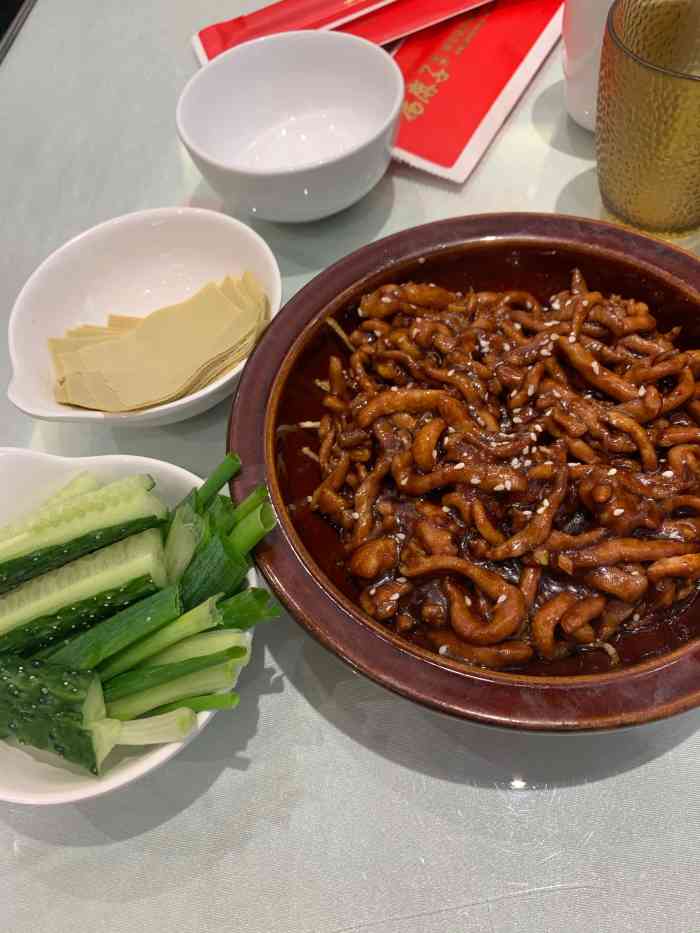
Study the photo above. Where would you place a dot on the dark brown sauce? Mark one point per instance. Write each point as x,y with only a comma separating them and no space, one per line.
299,475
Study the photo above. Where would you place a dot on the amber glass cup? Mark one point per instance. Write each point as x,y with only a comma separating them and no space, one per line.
648,128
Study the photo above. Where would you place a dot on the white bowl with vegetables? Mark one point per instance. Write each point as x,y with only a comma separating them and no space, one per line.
145,319
127,599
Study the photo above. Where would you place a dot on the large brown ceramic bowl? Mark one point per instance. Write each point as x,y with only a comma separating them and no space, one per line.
661,674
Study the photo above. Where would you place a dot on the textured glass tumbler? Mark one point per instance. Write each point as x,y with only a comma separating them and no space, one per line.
648,125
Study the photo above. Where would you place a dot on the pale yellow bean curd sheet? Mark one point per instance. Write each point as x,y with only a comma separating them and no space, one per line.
133,363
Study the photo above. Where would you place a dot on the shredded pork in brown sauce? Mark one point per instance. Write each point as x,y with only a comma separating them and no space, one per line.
519,481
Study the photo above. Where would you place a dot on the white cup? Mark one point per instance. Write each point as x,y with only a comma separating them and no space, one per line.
584,29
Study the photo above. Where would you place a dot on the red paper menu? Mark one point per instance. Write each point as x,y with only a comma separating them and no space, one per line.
406,17
463,77
379,21
280,17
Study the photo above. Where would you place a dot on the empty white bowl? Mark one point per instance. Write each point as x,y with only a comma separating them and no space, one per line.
295,126
132,264
29,775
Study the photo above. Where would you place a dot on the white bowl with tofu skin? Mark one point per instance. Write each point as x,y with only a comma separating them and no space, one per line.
293,127
131,265
30,776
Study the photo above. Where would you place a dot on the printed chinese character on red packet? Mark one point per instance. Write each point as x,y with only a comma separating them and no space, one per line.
464,76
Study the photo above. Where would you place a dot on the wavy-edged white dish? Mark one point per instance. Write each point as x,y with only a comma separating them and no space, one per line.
30,776
131,264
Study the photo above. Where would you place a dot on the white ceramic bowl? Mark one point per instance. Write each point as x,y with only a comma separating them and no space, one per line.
295,126
132,264
35,777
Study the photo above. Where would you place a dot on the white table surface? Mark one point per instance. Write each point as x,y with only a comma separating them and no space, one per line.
324,804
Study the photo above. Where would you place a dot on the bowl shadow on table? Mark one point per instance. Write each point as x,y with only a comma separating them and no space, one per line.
158,797
304,248
463,752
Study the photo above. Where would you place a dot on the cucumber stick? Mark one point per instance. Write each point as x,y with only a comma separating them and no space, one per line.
22,569
103,736
90,648
70,528
42,636
75,508
61,591
82,483
78,486
51,707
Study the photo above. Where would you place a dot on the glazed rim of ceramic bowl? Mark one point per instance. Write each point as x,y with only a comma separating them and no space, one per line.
653,689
